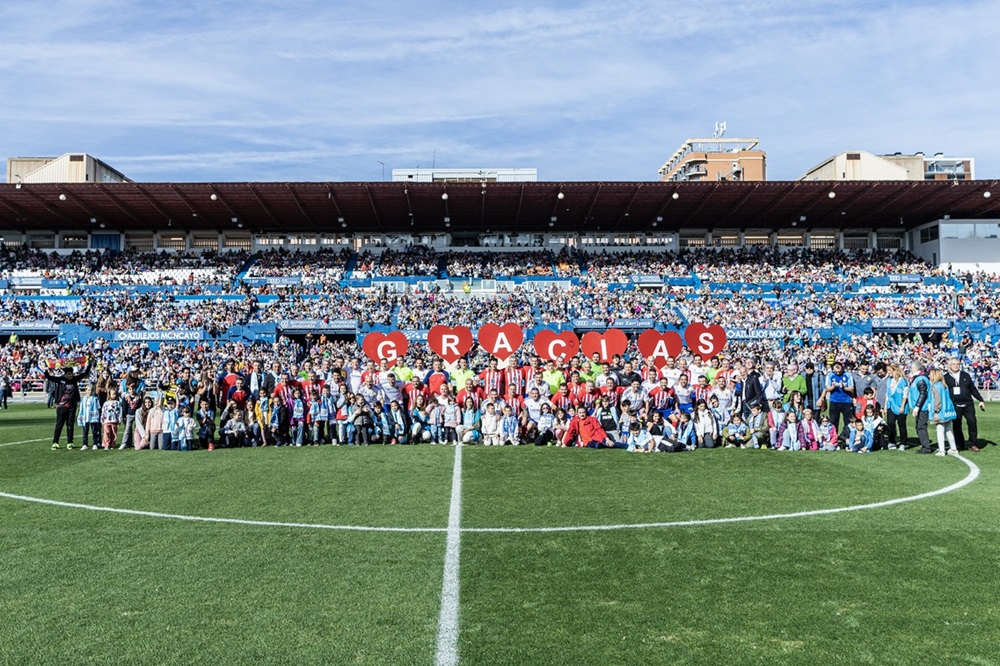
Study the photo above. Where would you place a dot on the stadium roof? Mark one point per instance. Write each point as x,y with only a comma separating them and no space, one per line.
471,207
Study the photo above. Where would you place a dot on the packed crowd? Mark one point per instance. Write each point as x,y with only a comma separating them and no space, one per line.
855,396
412,260
619,267
323,266
496,265
770,264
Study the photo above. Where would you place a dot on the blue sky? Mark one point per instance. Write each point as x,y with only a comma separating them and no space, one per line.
266,90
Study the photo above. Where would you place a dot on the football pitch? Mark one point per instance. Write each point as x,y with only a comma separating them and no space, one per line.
411,555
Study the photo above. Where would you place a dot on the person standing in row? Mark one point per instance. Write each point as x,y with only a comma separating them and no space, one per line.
963,391
66,392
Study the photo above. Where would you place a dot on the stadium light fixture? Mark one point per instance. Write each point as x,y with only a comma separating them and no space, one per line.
447,221
987,194
102,225
675,196
832,195
214,197
234,220
93,220
444,197
560,196
553,218
62,197
18,186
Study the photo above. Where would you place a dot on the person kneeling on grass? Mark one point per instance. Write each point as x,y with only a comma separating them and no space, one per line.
827,434
586,431
678,436
638,439
509,428
860,440
736,433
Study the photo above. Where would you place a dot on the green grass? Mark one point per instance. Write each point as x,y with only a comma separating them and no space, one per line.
914,583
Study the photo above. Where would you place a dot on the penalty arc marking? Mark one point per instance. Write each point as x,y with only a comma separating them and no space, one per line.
969,478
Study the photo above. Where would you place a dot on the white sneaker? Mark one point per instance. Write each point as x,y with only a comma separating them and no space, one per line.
940,454
83,448
121,448
901,447
891,447
954,452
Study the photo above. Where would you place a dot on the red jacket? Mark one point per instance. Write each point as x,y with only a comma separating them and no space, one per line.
588,429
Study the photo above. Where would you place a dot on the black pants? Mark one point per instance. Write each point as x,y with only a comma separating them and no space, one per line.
65,416
921,425
543,438
838,410
896,427
967,412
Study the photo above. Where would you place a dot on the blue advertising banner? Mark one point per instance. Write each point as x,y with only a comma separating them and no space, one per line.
276,281
633,323
158,336
915,324
898,279
758,334
588,323
318,325
647,279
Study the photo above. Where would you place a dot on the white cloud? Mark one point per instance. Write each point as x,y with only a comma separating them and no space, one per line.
597,90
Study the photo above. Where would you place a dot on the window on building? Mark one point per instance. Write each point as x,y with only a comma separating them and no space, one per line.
929,234
820,242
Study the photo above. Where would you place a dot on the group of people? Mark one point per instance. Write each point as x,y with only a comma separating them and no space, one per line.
293,397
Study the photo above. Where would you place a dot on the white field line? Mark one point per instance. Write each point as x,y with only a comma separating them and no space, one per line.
447,639
25,441
972,476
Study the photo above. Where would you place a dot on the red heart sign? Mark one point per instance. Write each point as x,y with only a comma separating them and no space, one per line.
450,342
658,347
605,345
378,346
501,341
705,341
550,347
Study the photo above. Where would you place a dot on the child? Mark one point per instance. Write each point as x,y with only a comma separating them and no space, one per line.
397,424
170,416
491,426
810,429
184,430
298,417
509,427
942,412
757,427
860,441
234,433
319,416
434,414
791,437
206,425
677,437
545,429
638,439
722,416
360,422
111,416
827,434
89,417
875,426
864,401
154,425
706,428
736,433
775,417
451,415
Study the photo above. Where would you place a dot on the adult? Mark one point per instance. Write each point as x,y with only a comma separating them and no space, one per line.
752,392
920,389
963,391
897,393
839,394
66,393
